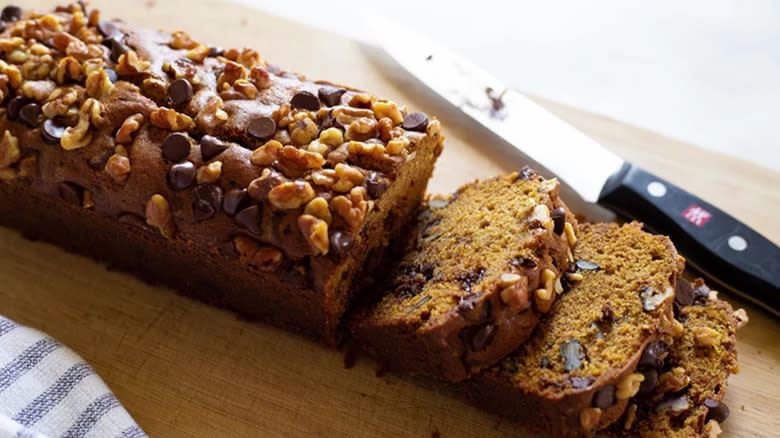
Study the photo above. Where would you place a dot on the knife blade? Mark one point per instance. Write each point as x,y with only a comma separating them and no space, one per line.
716,244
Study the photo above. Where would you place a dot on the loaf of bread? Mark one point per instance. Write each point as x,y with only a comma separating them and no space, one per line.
685,401
580,367
209,170
487,263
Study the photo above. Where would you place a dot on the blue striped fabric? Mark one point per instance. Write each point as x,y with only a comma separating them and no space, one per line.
47,391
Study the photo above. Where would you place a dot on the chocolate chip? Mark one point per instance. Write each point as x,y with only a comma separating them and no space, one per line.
206,200
651,378
180,92
262,128
330,95
15,105
376,185
234,201
71,193
182,175
415,122
305,100
572,354
11,13
108,29
118,48
176,147
31,114
604,397
716,410
683,293
584,265
559,220
113,76
215,51
98,162
52,131
478,337
340,243
653,356
579,382
249,218
210,147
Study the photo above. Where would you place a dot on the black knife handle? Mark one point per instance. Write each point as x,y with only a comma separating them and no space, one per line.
713,241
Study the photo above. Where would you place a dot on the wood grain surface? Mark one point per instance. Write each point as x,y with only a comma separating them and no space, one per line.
184,369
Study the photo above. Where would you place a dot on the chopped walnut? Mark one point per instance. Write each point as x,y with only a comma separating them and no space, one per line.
373,150
155,88
741,317
233,71
28,166
181,68
629,386
672,381
515,291
630,416
9,150
300,159
118,167
331,137
265,258
347,177
325,177
397,145
362,100
303,132
198,53
706,336
68,69
158,215
182,40
434,128
212,113
259,75
129,127
8,45
210,173
318,207
385,129
589,418
241,89
266,154
170,119
70,45
346,115
389,110
282,115
60,101
362,129
98,85
260,187
247,57
352,209
78,136
315,231
130,64
291,194
319,148
38,90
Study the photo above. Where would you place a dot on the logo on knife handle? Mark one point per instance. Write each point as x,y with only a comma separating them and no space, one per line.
696,215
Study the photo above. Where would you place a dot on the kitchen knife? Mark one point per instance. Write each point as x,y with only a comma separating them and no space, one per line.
718,245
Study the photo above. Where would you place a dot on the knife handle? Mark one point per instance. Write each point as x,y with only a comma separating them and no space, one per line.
714,242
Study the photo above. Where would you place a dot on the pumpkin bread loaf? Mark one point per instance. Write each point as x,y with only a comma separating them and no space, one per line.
209,170
578,370
487,263
685,401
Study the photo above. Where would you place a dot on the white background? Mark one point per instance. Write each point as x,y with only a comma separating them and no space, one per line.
703,71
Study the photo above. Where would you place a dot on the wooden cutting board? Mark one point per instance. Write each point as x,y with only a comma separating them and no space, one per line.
185,369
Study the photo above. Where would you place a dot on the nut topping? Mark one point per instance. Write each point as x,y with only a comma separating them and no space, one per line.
315,231
129,127
629,386
9,150
170,120
264,258
291,194
158,215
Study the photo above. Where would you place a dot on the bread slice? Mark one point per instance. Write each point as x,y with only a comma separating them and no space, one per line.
577,372
488,261
686,401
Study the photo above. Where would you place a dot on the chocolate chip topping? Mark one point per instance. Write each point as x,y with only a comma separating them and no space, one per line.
180,92
249,218
31,114
206,200
234,201
716,410
98,162
118,47
559,220
182,175
572,354
108,29
52,131
683,293
653,356
176,147
584,265
16,104
305,100
376,185
651,378
210,147
71,193
415,122
215,51
262,128
340,243
604,397
330,95
11,13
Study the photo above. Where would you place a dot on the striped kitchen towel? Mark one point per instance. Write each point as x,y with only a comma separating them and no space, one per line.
48,391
